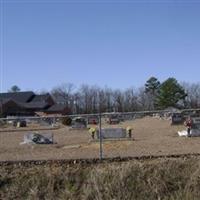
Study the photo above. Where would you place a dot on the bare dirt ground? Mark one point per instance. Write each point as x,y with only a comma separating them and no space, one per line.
151,137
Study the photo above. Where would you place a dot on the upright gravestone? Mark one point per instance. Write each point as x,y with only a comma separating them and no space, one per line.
79,123
36,138
195,129
176,118
112,133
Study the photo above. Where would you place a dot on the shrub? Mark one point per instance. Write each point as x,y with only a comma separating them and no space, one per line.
67,121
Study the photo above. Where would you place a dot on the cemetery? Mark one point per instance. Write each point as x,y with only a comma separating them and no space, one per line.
149,136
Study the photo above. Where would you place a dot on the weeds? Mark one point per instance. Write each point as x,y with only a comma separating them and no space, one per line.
163,179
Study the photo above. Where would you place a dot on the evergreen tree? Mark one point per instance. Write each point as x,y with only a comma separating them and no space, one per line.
14,88
170,92
152,86
151,90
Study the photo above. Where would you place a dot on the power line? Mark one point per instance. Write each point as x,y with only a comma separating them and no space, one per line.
1,44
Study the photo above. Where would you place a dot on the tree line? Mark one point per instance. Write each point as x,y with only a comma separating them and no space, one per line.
153,95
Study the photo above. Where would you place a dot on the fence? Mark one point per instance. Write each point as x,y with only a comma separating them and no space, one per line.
91,136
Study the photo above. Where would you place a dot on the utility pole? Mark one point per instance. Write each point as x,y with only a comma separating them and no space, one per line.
1,105
100,139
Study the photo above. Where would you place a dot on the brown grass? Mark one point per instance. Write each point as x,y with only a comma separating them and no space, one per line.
156,179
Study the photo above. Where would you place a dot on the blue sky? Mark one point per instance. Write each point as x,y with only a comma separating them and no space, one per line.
108,43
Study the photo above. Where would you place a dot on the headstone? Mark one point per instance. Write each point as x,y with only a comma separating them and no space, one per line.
177,118
21,123
36,138
196,123
112,133
45,122
79,123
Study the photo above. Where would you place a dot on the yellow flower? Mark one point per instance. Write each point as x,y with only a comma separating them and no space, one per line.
92,130
129,128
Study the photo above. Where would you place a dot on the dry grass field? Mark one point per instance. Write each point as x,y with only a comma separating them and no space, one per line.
167,179
151,137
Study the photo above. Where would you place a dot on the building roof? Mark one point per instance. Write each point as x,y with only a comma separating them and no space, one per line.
30,102
41,97
35,105
21,97
57,108
5,101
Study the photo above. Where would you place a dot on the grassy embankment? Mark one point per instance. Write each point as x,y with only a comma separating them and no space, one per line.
152,179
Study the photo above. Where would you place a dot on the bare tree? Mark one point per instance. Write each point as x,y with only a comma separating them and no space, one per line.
63,92
193,94
143,99
108,99
93,99
118,100
130,100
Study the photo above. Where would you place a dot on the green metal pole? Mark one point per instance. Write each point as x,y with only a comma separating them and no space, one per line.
100,139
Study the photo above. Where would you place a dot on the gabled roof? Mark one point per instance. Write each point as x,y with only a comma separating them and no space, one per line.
41,97
21,97
57,108
35,105
6,103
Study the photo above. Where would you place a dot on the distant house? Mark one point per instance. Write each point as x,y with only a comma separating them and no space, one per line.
10,107
21,97
45,98
28,104
57,108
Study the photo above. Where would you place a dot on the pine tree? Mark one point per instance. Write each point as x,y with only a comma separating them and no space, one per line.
152,86
151,89
170,92
14,88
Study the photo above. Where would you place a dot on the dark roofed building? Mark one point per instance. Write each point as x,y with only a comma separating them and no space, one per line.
21,97
41,102
10,107
43,98
58,109
5,101
36,105
28,103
